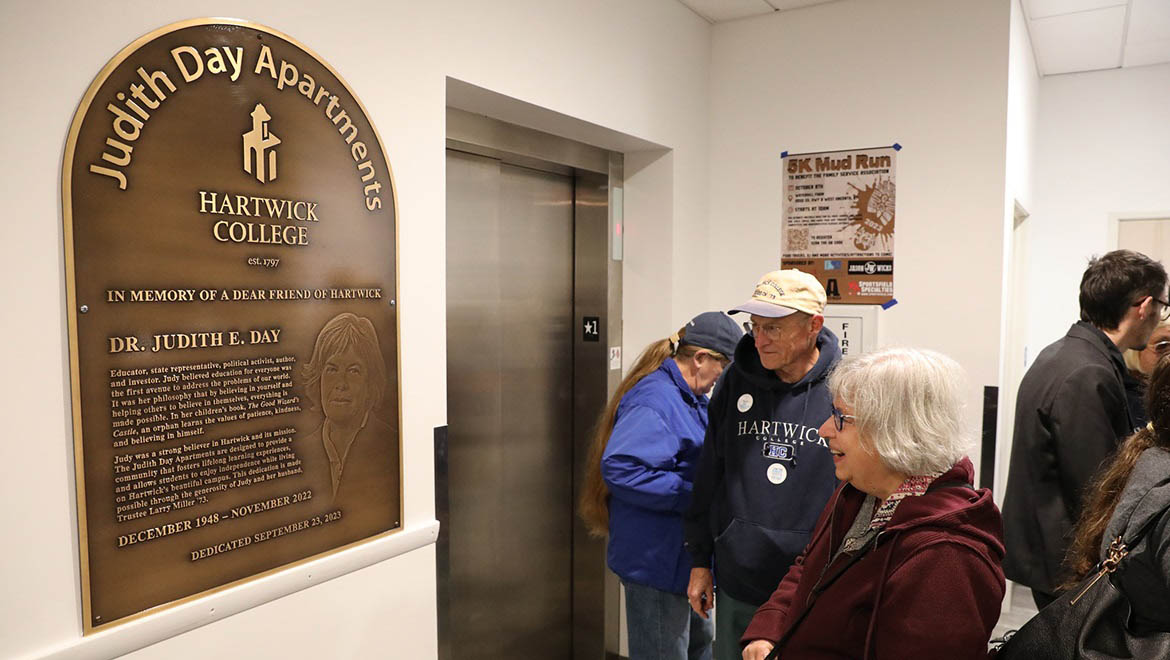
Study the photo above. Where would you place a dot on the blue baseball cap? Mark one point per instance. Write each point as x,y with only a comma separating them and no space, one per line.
714,331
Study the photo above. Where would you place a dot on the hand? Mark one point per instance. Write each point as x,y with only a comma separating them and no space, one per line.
701,591
757,650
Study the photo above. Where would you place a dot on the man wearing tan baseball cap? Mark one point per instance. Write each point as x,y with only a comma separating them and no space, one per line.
753,507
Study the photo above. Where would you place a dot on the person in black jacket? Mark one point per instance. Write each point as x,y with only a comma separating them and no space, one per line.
1071,413
765,472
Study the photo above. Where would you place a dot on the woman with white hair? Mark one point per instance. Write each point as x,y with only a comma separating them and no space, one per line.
905,559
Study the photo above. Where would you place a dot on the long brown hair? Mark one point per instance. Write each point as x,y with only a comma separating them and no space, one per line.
594,502
1085,551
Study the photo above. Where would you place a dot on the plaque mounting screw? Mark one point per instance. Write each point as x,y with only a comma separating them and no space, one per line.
84,308
392,302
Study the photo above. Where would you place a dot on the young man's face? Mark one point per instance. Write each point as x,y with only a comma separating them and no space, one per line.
1157,346
1154,309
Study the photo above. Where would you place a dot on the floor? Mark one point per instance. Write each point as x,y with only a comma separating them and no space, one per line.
1018,614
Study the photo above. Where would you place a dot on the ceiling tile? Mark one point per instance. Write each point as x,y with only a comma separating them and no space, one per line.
716,11
1043,8
1148,40
719,11
1085,41
795,4
1148,52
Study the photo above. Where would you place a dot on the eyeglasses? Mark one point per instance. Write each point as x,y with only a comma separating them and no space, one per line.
1165,306
1162,347
772,332
839,418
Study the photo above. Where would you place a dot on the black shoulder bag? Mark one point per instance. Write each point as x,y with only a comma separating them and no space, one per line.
1089,621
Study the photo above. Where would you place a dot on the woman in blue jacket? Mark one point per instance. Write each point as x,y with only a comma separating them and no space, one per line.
638,484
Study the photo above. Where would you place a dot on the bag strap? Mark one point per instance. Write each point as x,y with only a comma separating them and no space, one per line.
1141,531
1118,551
820,587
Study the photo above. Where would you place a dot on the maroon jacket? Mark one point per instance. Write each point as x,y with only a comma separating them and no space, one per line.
930,588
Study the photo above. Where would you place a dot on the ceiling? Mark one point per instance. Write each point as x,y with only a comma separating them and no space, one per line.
1067,36
718,11
1088,35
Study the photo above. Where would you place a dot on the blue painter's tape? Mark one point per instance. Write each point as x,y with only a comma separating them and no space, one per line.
784,154
897,147
889,303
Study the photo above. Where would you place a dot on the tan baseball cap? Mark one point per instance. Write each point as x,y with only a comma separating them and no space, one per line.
782,292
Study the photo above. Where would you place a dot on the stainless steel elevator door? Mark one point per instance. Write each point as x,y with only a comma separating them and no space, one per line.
509,409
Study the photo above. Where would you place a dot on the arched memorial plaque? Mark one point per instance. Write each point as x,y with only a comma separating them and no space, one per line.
230,237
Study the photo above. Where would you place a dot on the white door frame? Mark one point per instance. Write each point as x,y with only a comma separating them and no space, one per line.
1015,356
1115,220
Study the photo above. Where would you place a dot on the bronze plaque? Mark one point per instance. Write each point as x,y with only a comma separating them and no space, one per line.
230,236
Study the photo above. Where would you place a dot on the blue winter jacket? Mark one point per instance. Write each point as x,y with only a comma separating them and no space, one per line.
649,465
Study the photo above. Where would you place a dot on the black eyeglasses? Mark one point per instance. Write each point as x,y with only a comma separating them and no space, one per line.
1162,347
839,418
1165,306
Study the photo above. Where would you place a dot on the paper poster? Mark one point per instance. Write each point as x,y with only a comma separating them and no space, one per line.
838,221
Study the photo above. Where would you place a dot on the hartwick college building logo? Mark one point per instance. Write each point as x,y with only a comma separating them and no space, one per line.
259,142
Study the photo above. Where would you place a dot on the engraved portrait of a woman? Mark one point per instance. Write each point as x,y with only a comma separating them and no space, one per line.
345,380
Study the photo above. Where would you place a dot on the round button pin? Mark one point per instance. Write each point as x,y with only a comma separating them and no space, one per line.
777,473
745,403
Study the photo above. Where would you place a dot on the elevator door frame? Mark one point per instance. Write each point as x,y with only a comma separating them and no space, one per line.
597,289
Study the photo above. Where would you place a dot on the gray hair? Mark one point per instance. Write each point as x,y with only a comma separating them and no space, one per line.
908,405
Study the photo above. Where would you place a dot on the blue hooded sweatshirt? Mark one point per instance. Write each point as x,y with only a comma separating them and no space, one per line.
765,472
649,465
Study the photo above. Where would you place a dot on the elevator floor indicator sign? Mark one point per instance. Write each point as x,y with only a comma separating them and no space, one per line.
591,328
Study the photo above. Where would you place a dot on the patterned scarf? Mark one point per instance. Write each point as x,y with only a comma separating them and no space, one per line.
859,533
912,487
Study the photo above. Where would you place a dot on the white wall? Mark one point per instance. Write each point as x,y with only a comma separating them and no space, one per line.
931,75
1101,149
1022,110
638,68
1023,106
